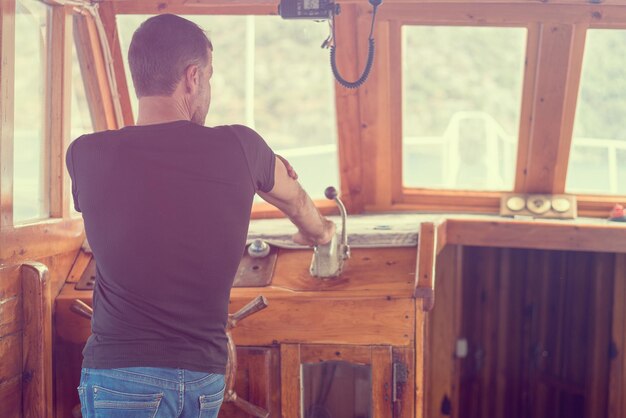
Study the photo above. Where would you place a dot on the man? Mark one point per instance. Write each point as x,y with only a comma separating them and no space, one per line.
166,205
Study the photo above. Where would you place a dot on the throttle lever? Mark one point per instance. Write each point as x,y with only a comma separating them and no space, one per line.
328,258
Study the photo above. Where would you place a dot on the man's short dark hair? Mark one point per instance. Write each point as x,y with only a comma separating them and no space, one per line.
160,51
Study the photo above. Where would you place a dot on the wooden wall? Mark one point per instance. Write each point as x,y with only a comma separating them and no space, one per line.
12,330
539,330
10,342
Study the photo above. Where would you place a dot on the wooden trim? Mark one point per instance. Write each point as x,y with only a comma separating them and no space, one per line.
446,201
58,108
536,235
348,120
93,70
442,236
193,8
598,206
513,14
425,269
382,374
37,345
107,15
396,99
43,239
290,380
357,354
421,360
7,87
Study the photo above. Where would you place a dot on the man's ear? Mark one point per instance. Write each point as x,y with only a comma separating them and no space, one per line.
192,78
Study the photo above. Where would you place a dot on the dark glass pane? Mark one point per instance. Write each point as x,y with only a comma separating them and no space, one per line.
336,389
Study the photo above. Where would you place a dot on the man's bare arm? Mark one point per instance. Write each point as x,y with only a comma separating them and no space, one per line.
288,196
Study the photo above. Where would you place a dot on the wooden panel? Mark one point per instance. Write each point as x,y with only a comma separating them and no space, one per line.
11,397
538,234
290,317
10,315
28,242
10,301
58,269
80,264
11,354
67,361
337,321
348,116
37,345
290,380
538,329
388,271
442,380
320,353
9,282
7,88
58,109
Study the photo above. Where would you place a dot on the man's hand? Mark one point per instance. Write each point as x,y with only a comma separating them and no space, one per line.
290,171
328,233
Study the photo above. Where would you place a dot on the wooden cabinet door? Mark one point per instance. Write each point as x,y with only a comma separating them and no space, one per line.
338,393
258,381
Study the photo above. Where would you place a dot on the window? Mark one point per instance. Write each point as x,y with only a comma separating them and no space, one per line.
462,89
597,162
272,75
31,168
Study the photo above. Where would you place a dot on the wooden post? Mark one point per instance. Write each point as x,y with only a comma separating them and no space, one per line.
426,259
37,342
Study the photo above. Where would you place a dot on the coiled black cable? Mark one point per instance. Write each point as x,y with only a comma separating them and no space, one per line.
370,55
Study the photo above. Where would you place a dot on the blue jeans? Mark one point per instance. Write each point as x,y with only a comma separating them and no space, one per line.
148,392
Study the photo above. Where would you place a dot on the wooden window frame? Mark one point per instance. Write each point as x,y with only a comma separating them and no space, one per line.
293,356
257,8
58,233
541,161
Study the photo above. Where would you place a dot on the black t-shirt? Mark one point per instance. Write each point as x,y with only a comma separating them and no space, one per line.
166,210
